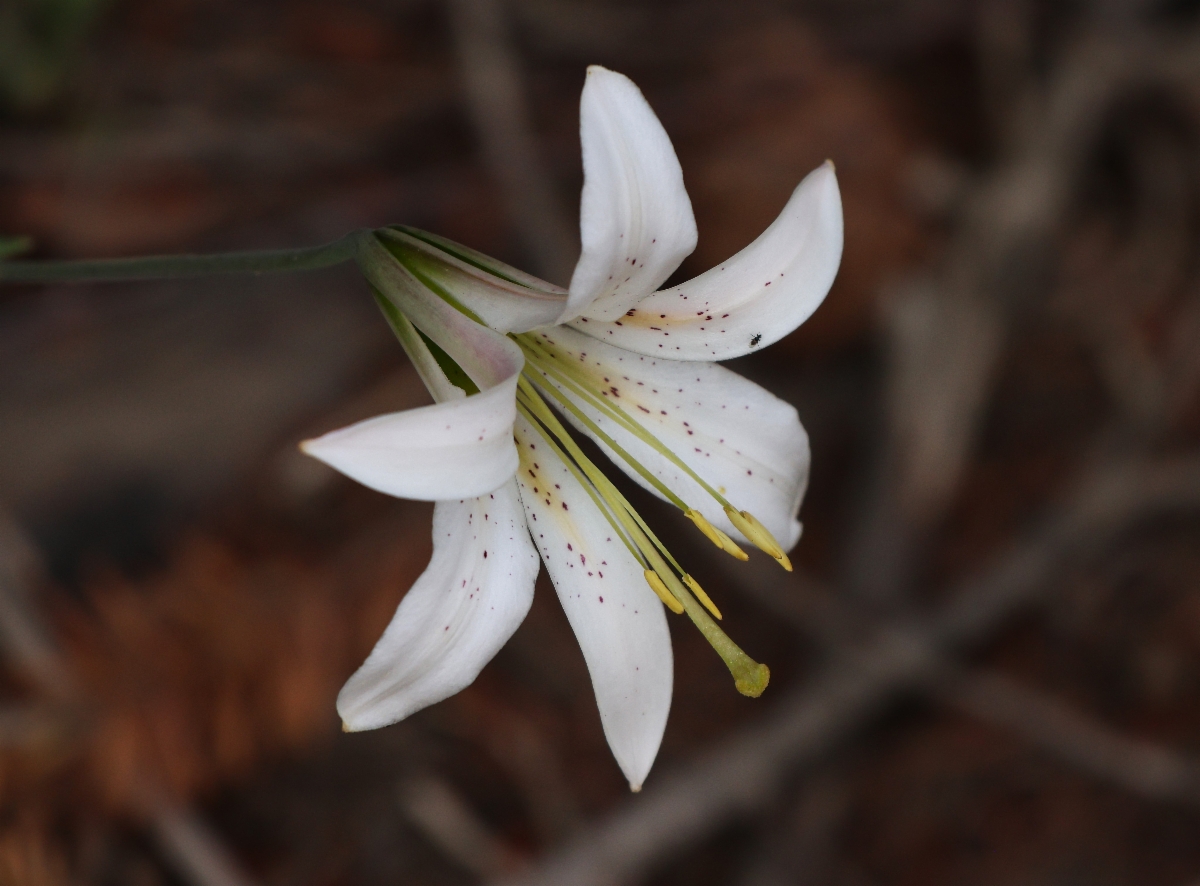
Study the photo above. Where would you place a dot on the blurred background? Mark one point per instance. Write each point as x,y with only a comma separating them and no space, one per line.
986,668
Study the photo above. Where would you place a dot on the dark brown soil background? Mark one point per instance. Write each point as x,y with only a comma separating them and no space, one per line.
986,669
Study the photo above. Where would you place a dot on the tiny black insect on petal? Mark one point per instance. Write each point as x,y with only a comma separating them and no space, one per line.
756,339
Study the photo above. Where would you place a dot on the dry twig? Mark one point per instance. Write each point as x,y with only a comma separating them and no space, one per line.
945,336
496,97
1139,766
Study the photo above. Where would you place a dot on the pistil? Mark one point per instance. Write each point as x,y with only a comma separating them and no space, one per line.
677,590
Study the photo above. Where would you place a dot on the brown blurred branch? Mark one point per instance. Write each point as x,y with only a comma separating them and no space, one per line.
745,771
1142,767
496,98
197,854
945,335
436,809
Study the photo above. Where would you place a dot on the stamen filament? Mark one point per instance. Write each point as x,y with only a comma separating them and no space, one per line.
595,494
609,441
549,364
603,484
540,354
553,365
750,677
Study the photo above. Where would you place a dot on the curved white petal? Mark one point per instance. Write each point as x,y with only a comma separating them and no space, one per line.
464,607
432,375
741,439
753,299
456,449
619,622
506,299
635,218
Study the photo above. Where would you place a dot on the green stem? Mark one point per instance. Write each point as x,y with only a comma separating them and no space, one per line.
162,267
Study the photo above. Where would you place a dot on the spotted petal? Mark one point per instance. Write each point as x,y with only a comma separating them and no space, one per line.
635,219
475,592
617,619
753,299
744,441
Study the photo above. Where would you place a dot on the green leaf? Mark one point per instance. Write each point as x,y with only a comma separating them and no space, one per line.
11,247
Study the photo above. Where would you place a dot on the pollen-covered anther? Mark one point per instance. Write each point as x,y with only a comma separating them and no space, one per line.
715,535
659,587
759,536
694,587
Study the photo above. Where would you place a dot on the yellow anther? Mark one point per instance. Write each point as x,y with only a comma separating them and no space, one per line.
657,585
703,525
715,535
749,526
729,546
694,587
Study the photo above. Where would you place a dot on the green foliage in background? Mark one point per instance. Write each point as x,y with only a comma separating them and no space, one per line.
40,41
11,247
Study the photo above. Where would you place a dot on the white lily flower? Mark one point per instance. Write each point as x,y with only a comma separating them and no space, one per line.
623,362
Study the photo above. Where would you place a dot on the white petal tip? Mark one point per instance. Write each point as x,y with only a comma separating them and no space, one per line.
824,175
635,788
368,718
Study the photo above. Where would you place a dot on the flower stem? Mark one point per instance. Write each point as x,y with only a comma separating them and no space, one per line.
164,267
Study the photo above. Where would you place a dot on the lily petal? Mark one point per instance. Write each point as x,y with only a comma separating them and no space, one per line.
475,592
503,298
635,219
486,356
741,439
455,449
753,299
617,619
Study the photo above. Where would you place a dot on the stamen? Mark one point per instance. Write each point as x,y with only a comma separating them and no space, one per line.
552,364
694,587
758,535
656,585
602,505
609,441
715,535
749,677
